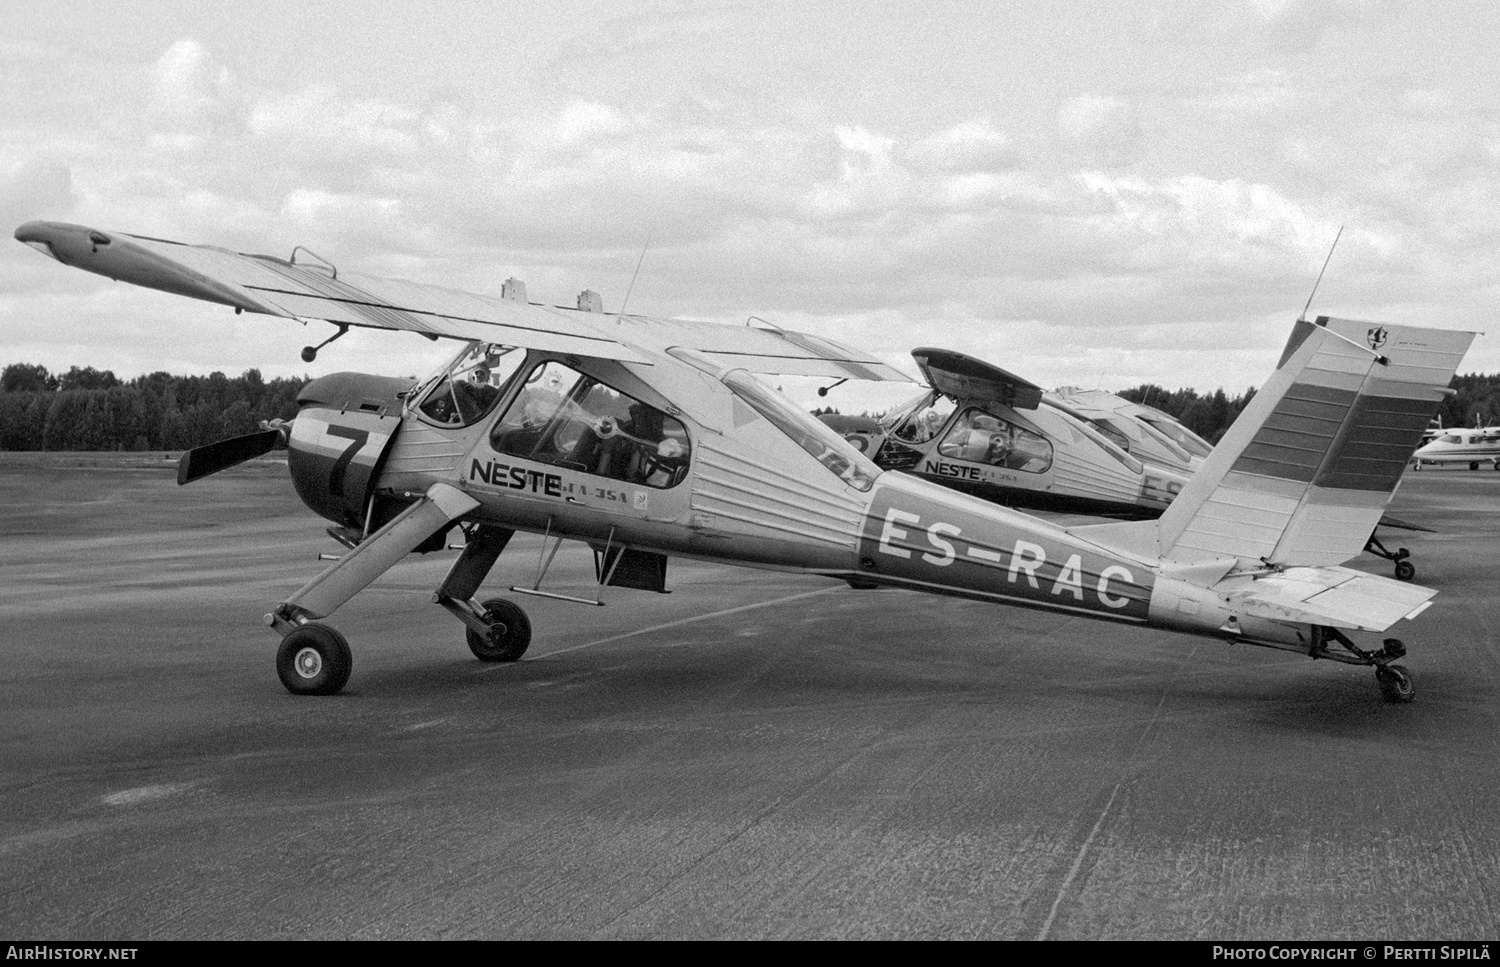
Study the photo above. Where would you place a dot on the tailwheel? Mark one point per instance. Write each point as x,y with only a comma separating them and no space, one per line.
1395,683
1405,570
509,633
314,660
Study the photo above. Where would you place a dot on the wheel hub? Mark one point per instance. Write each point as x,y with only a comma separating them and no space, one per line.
308,663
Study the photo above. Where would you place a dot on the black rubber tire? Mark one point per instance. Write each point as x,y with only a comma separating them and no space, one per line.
1473,464
1395,683
508,640
314,660
1405,570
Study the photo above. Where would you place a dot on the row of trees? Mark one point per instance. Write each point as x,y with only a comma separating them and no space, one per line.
89,409
1207,415
1475,402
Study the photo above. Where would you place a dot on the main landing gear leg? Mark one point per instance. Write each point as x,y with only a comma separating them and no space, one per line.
1395,680
497,629
314,659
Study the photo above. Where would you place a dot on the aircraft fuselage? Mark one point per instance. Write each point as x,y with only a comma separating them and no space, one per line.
744,501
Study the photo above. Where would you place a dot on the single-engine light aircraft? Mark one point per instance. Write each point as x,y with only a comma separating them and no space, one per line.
650,438
1472,446
990,433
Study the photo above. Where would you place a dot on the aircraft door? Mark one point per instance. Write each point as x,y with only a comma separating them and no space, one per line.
569,437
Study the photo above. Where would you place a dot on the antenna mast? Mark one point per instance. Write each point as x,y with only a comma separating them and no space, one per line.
1303,317
631,288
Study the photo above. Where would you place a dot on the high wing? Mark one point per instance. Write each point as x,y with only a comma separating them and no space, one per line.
966,378
305,290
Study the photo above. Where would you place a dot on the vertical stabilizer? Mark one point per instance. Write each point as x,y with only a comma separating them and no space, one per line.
1304,474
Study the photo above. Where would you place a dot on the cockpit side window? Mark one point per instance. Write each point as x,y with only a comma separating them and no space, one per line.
569,419
1112,434
471,386
1191,442
981,437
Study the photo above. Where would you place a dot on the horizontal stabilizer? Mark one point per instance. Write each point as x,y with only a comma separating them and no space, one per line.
1339,597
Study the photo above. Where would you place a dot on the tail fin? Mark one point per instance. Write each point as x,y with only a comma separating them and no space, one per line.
1304,474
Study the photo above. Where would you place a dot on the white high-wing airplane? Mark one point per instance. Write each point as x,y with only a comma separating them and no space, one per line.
990,433
649,438
1472,446
1142,431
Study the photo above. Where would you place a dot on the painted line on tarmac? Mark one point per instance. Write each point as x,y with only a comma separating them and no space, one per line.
134,797
1062,891
701,617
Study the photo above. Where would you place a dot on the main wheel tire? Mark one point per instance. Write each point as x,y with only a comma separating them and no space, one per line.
1405,570
1473,464
509,635
1395,683
314,660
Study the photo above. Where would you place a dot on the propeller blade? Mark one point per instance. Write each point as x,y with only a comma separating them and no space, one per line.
199,462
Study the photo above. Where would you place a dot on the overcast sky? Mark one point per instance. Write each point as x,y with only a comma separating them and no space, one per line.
1097,194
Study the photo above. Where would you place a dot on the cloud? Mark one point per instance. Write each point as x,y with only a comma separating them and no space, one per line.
1103,129
967,148
882,227
35,188
190,89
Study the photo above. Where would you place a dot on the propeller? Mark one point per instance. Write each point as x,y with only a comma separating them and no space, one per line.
202,461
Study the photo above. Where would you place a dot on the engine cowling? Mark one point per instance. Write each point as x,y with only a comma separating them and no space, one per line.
344,428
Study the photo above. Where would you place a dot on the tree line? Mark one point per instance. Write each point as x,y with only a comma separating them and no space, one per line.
1475,402
90,409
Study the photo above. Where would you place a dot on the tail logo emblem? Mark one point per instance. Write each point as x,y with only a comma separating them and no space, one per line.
1377,336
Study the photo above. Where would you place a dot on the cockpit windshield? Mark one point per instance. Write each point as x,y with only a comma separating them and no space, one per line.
812,435
918,420
465,391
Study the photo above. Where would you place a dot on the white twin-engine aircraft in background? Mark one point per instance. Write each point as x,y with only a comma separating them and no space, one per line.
650,438
1472,446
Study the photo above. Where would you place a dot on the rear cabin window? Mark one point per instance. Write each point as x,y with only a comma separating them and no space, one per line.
569,419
